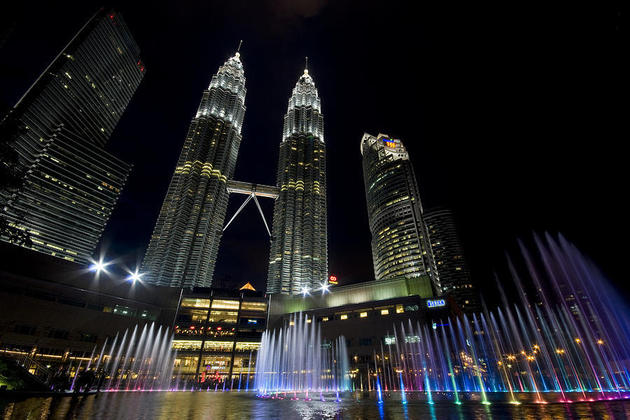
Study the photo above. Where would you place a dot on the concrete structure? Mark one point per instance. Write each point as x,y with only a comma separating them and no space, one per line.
299,246
184,245
366,314
400,244
56,312
71,183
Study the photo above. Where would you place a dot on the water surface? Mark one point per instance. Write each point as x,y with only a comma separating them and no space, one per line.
242,405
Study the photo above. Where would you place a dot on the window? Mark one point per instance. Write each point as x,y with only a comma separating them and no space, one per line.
244,346
223,316
195,303
60,334
254,306
187,344
363,315
225,304
25,329
218,346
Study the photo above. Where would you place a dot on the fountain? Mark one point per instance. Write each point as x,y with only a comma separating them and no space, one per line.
295,359
569,343
142,360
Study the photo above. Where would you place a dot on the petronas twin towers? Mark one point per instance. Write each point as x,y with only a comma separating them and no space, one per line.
185,242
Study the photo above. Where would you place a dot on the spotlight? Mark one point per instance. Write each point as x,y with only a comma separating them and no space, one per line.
305,291
325,288
99,266
135,276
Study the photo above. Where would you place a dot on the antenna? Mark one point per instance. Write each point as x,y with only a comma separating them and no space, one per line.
306,65
239,45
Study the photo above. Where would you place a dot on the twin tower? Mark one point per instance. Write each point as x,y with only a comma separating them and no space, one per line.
184,245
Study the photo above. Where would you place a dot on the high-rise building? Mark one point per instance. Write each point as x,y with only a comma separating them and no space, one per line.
183,249
449,259
400,246
71,183
298,258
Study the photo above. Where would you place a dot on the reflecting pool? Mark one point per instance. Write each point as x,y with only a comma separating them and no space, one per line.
235,405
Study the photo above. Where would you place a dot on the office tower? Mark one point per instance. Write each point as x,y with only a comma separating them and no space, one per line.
400,246
71,182
298,258
183,249
449,259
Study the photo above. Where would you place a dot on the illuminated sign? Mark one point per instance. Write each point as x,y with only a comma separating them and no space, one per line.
332,279
436,303
252,321
389,143
390,340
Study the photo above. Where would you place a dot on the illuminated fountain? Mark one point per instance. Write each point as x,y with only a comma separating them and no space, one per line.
136,360
295,359
570,343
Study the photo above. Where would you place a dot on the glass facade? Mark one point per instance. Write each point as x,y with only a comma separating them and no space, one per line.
72,184
449,259
299,246
184,245
217,337
400,245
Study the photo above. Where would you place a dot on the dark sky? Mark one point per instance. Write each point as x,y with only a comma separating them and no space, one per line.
514,114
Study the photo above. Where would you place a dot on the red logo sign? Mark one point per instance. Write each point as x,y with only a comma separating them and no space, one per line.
332,279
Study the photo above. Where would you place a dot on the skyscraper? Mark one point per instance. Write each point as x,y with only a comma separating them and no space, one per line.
400,246
299,247
183,249
449,259
71,183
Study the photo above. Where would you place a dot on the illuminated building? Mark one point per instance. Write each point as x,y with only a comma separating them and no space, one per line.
365,313
449,259
217,335
400,246
183,248
72,183
298,258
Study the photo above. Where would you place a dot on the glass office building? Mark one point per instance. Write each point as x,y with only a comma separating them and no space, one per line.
400,246
72,183
449,258
299,246
184,245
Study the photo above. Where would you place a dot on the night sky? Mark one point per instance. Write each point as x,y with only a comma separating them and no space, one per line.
514,115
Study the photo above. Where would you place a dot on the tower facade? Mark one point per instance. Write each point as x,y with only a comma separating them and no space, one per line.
71,182
298,258
449,258
400,246
184,245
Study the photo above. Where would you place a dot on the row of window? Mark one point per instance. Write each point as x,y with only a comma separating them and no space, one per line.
365,313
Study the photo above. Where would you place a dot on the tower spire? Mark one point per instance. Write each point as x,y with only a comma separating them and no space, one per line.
238,50
306,64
